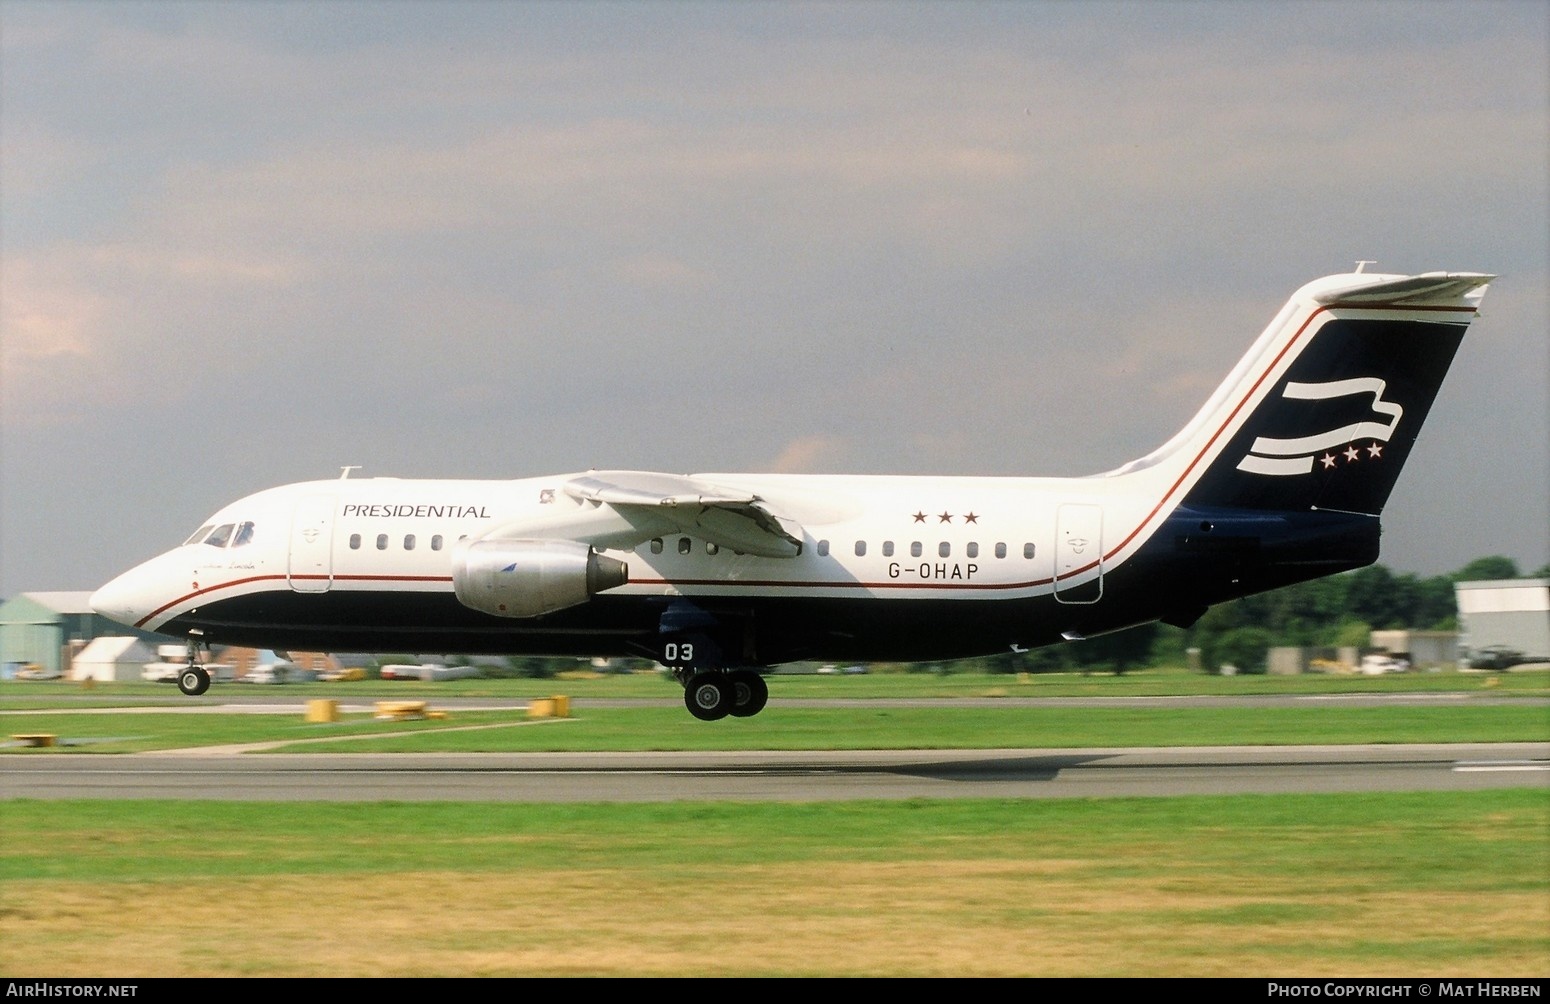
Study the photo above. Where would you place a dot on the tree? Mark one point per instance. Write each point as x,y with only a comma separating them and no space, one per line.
1119,651
1487,569
1352,634
1373,596
1243,647
1437,605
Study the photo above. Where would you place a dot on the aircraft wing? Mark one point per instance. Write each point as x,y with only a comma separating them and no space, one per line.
728,517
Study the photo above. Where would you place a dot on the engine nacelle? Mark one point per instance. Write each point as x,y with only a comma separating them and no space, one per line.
526,578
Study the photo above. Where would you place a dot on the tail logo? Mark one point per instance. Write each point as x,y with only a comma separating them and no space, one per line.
1287,457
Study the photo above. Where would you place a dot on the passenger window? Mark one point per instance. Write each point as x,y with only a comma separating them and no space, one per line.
199,534
436,542
656,545
973,549
944,549
685,545
1000,549
887,548
382,542
1027,550
915,549
712,548
244,535
860,548
823,549
221,535
355,542
409,542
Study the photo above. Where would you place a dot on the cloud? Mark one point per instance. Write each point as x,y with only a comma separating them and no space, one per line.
983,238
809,454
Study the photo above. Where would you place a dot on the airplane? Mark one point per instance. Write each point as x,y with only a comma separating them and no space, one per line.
1280,478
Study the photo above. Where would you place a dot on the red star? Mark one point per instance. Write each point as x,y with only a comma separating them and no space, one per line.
944,518
920,517
971,518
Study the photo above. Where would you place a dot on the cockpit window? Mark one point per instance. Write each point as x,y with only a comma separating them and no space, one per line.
244,535
199,534
221,535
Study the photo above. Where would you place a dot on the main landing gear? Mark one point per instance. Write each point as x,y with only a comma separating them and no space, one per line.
695,653
712,694
194,679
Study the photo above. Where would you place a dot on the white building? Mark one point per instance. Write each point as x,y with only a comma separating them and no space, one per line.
1514,613
111,659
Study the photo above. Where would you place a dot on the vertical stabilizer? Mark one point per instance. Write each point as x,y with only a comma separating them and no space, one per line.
1325,414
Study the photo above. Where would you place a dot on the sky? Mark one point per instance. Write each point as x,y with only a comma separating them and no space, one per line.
244,244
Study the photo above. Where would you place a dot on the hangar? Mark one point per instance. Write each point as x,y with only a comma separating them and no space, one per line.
1510,613
48,629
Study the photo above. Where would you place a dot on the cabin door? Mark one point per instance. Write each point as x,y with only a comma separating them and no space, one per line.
311,567
1079,553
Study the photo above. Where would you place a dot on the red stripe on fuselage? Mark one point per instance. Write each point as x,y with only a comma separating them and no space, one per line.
222,586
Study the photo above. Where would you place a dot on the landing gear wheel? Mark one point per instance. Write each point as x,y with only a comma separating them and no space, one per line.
750,693
194,681
709,696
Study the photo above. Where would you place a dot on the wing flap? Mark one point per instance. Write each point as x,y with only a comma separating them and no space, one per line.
727,517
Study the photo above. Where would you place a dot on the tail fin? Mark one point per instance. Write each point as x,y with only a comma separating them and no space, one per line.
1322,412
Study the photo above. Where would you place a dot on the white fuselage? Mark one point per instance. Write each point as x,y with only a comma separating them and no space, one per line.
1279,478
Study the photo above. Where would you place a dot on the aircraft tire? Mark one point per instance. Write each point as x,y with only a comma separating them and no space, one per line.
194,681
709,696
750,693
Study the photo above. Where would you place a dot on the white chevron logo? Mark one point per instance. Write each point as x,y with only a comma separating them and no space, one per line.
1285,457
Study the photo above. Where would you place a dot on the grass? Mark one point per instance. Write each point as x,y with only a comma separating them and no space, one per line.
1387,885
1466,710
1159,682
865,727
1404,885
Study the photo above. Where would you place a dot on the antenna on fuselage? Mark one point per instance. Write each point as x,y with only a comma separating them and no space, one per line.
1362,265
344,472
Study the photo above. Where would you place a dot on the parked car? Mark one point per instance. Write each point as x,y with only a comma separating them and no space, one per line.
270,668
1376,664
1494,657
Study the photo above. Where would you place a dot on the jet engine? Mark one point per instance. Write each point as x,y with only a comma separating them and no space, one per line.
526,578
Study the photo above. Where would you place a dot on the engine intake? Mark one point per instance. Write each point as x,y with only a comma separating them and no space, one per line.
526,578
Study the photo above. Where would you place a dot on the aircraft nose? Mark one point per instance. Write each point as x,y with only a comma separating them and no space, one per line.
120,600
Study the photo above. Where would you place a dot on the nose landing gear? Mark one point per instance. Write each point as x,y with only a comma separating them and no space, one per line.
194,679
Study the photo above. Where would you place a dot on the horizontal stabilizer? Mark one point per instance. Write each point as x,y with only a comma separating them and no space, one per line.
1406,290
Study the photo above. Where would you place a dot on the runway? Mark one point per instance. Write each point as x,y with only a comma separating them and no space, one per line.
248,773
777,776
